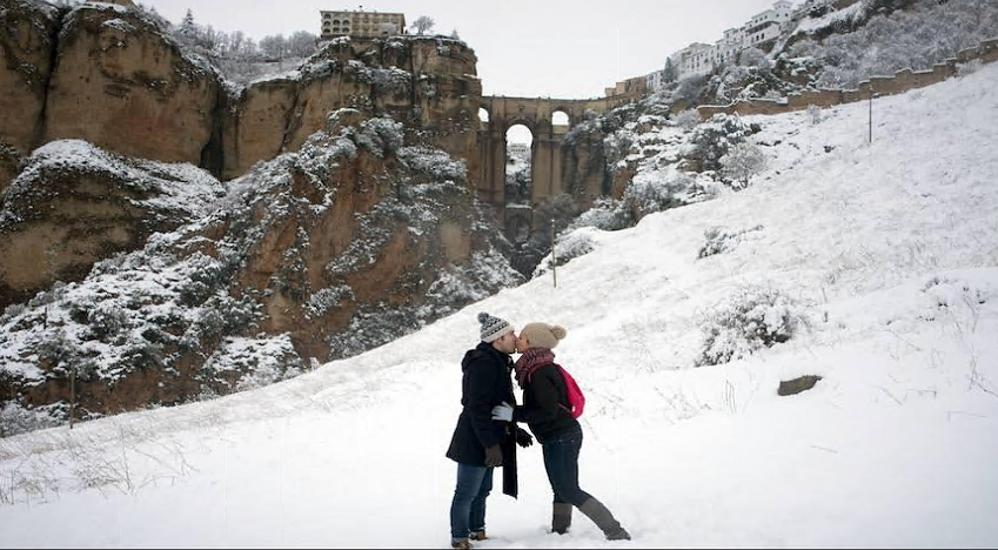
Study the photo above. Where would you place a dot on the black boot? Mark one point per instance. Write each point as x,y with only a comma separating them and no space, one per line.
594,510
561,518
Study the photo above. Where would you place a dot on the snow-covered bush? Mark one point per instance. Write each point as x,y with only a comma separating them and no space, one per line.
754,318
743,161
569,246
947,295
690,88
688,119
606,214
15,419
245,363
646,195
381,136
713,139
718,240
325,299
753,57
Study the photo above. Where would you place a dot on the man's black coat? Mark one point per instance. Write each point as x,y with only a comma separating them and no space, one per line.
486,382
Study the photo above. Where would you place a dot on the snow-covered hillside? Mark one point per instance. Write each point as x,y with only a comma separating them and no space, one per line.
886,255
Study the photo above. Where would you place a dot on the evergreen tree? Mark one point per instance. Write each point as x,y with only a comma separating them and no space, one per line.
188,28
669,72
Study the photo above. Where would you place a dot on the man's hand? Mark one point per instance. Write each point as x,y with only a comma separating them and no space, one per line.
493,456
523,438
503,412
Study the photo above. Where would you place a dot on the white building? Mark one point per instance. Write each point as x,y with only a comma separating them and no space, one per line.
727,48
361,24
767,25
515,149
699,58
655,80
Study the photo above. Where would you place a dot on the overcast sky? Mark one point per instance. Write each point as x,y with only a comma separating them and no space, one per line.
556,48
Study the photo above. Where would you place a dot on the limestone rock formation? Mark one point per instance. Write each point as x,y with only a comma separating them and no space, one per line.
345,244
121,84
75,204
427,83
10,161
27,40
335,234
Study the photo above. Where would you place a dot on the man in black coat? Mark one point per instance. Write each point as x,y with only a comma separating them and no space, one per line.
480,444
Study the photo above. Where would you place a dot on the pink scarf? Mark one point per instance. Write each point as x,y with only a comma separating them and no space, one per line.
531,360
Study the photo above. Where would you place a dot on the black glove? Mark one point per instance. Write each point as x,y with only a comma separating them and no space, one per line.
523,438
493,456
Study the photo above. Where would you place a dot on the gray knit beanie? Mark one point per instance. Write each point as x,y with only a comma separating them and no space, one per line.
493,327
543,335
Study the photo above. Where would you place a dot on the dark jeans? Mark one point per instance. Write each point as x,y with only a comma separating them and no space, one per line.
467,509
561,460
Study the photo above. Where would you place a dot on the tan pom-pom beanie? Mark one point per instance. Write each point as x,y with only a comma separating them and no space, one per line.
543,335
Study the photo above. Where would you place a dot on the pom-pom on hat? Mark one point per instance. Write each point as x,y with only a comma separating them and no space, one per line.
492,327
543,335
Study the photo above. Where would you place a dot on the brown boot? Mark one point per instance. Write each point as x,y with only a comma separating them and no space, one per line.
478,535
561,517
463,544
594,510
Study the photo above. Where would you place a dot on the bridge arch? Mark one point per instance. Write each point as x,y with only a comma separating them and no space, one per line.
547,173
561,117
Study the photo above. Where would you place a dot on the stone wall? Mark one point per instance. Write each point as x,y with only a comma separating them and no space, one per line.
902,81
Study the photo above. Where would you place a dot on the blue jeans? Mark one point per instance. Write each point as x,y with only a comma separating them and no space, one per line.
467,510
561,461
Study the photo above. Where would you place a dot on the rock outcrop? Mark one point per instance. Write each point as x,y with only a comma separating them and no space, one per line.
138,280
427,83
10,165
27,44
122,85
75,204
109,75
343,245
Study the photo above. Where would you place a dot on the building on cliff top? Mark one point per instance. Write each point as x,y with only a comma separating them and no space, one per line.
361,24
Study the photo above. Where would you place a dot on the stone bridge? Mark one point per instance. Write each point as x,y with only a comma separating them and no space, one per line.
546,166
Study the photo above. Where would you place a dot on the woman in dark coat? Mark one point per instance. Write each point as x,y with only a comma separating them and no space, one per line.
546,410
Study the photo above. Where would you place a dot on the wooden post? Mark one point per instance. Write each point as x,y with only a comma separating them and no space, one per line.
870,137
72,396
554,258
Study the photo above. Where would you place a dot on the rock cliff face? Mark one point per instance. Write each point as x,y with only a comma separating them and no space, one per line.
120,84
348,217
428,84
103,73
107,74
341,246
75,204
10,161
27,43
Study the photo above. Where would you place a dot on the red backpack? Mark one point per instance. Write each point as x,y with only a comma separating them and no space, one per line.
576,400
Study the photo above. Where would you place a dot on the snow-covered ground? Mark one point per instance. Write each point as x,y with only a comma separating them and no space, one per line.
891,252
